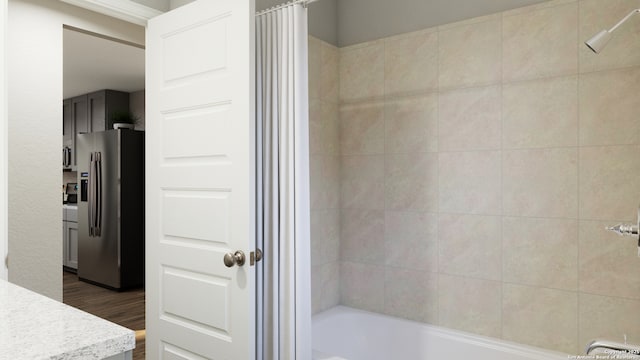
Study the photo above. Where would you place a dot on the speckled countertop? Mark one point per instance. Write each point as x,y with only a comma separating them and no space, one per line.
33,326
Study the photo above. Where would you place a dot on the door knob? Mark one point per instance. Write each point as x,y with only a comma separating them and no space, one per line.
236,258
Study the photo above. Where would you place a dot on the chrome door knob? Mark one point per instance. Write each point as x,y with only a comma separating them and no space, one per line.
236,258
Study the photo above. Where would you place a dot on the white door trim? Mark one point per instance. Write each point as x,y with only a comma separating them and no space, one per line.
122,9
4,243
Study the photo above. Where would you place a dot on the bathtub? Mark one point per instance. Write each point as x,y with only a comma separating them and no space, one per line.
346,333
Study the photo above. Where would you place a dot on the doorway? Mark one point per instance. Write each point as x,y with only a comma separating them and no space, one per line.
103,83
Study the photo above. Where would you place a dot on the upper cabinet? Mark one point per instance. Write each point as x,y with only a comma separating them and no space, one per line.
88,113
67,135
102,105
80,118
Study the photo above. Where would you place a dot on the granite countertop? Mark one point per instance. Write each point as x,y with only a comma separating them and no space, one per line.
33,326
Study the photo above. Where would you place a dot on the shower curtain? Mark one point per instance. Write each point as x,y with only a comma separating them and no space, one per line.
283,183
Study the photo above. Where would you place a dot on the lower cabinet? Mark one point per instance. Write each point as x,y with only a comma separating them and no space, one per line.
71,255
70,245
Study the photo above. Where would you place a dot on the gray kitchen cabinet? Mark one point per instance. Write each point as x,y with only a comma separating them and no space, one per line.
67,135
102,105
80,119
70,239
88,113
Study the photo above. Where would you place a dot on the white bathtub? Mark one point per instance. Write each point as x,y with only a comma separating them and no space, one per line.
346,333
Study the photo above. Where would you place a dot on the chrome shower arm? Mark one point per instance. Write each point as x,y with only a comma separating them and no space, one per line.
624,20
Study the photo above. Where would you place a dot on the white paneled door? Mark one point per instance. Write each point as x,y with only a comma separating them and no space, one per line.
200,184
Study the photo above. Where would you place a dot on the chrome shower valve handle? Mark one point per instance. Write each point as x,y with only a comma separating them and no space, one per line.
628,230
624,229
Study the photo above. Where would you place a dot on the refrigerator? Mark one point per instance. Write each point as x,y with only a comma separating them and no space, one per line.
111,208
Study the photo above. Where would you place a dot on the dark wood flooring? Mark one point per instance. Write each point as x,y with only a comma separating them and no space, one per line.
123,308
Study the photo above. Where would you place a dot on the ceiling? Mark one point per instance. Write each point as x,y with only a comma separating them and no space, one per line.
364,20
93,63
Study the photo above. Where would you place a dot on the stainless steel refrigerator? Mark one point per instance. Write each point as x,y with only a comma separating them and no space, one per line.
111,208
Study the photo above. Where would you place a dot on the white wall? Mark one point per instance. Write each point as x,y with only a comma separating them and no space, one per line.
34,58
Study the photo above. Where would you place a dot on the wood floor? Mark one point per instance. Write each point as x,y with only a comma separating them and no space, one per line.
123,308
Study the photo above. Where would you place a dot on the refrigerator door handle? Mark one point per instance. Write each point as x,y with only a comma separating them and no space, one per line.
99,194
91,190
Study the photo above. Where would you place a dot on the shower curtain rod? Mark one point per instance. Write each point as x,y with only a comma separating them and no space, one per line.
304,3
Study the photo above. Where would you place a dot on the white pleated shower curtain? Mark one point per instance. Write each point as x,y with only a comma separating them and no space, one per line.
283,183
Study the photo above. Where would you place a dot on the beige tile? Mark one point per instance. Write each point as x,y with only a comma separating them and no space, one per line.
608,182
329,71
540,113
541,43
603,317
315,68
538,6
411,64
411,182
470,305
362,286
609,264
316,124
470,245
411,34
411,295
325,181
542,183
331,128
469,55
362,129
362,72
622,50
609,104
470,183
362,236
475,20
470,119
362,182
541,317
324,128
411,125
541,252
325,236
411,240
325,286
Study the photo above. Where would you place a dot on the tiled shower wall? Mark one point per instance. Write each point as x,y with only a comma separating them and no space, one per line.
325,174
480,163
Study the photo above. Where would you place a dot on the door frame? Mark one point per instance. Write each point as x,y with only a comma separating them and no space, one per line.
121,9
4,158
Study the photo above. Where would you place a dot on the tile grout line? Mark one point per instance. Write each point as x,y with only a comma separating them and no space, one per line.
579,79
502,258
437,205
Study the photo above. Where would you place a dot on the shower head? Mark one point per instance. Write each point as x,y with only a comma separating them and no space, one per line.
600,40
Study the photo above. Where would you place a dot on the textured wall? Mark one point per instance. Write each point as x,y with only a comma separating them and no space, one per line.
481,161
35,129
325,174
